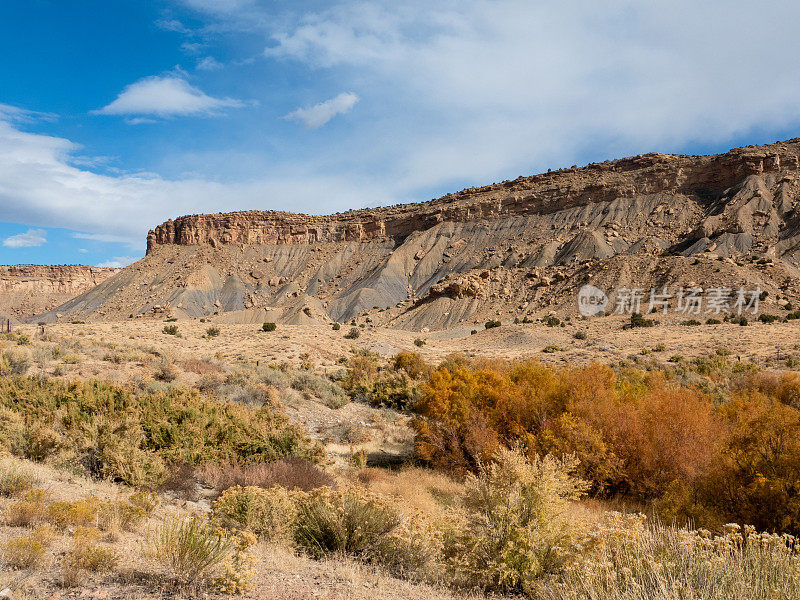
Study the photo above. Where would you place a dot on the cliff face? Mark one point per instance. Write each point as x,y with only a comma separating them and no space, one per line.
700,177
517,247
26,290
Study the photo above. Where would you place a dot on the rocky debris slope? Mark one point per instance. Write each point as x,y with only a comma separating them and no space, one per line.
510,248
26,290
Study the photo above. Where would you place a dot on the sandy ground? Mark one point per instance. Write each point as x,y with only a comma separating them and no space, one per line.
605,341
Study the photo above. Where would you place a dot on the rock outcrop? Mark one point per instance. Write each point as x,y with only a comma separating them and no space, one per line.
26,290
510,248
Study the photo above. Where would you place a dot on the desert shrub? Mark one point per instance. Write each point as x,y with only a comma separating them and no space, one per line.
113,432
336,326
396,388
170,329
412,363
627,559
419,342
212,332
29,510
552,321
27,551
517,522
268,513
15,480
290,473
239,568
580,334
320,387
15,362
269,327
86,556
765,318
165,372
492,324
78,513
637,320
691,323
396,391
353,334
552,348
190,549
713,321
350,522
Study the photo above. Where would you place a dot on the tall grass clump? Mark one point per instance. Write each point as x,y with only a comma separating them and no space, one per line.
628,559
190,549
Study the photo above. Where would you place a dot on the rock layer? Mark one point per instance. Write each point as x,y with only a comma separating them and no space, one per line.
29,289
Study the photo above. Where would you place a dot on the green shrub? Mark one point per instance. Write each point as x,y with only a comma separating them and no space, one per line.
269,327
114,432
353,334
492,324
552,321
320,387
765,318
336,326
212,332
170,329
517,523
691,323
713,322
351,522
637,320
190,549
269,513
419,342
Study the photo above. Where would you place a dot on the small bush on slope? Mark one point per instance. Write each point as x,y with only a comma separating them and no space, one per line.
114,432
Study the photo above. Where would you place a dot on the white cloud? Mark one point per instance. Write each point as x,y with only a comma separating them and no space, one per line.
40,186
209,63
29,239
166,96
219,6
101,237
319,114
118,262
476,90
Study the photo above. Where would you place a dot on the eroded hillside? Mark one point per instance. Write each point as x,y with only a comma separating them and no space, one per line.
510,249
26,290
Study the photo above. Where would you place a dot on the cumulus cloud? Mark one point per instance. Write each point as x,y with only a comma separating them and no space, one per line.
319,114
118,262
29,239
166,96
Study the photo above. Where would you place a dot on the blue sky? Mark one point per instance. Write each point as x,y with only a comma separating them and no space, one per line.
115,116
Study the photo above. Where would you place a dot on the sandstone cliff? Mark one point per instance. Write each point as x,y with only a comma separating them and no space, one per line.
26,290
510,248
